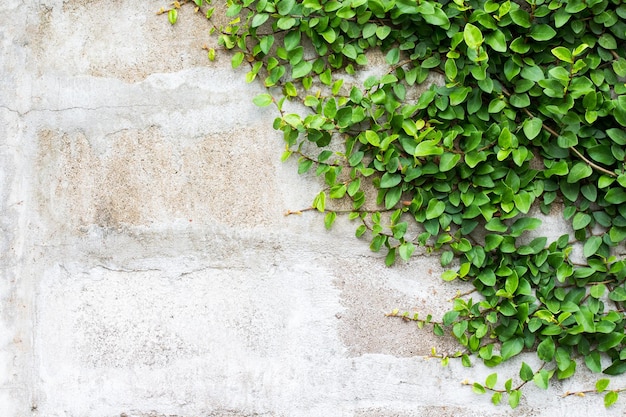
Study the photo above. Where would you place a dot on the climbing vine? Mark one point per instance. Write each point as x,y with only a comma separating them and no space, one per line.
486,113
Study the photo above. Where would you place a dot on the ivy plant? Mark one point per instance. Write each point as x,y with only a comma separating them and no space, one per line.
530,116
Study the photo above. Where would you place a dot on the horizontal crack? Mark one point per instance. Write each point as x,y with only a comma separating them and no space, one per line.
21,114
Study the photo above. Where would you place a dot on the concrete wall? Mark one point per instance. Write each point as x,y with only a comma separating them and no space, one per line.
147,267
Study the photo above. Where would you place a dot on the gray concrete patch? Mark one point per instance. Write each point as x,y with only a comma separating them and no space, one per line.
147,267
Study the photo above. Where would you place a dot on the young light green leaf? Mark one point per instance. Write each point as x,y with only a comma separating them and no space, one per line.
472,36
542,379
563,54
610,398
172,16
237,59
602,384
263,100
514,398
478,388
405,250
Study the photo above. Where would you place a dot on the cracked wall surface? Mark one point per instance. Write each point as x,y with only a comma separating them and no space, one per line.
148,269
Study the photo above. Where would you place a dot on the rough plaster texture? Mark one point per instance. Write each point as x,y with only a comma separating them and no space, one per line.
147,267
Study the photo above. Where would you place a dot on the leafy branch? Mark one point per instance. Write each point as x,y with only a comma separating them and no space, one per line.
531,115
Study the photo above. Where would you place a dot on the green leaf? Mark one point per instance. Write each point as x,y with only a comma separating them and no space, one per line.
259,19
237,59
532,73
546,349
617,368
302,69
284,7
542,378
448,161
292,40
319,202
263,100
304,165
491,380
393,56
266,43
496,106
592,360
372,138
523,201
435,208
591,246
607,41
542,32
425,99
329,35
619,66
610,398
514,397
382,32
615,196
437,18
526,373
478,388
579,171
449,275
497,41
519,100
427,148
584,317
521,18
329,219
532,127
389,180
617,135
406,250
451,69
459,95
472,36
487,277
523,224
512,347
563,54
446,257
338,191
602,384
172,16
393,197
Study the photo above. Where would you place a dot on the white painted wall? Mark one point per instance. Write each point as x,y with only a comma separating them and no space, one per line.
147,267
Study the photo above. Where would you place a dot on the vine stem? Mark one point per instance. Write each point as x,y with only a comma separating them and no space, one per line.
590,391
463,294
466,382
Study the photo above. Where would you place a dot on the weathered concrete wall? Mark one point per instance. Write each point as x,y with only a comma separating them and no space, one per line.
147,267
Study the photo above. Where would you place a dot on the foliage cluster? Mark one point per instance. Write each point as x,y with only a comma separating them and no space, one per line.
531,116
